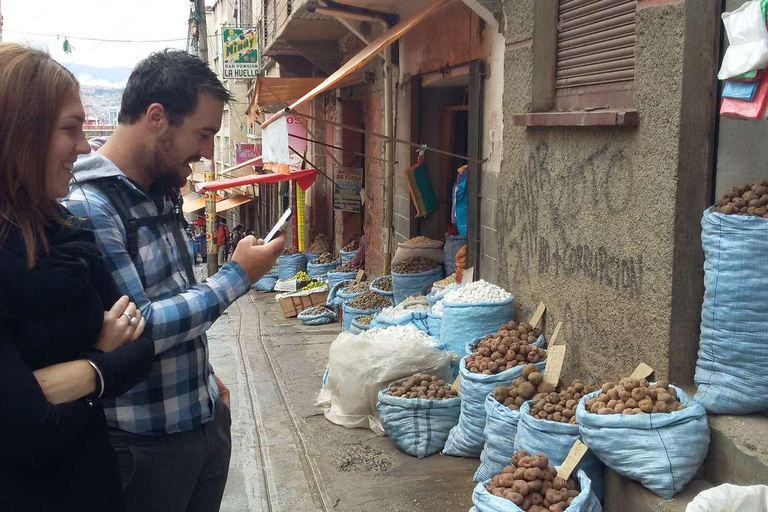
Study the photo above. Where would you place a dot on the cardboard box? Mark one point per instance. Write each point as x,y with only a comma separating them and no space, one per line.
294,303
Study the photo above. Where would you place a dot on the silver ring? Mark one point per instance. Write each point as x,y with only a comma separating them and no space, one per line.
131,319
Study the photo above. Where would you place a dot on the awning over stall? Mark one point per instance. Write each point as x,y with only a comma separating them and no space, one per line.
363,57
274,93
192,203
304,178
231,202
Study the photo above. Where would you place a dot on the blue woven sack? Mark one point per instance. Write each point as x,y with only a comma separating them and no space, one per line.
346,256
378,290
586,501
290,265
339,277
266,283
661,451
326,317
418,426
733,348
349,314
555,440
464,322
433,324
436,295
500,431
467,438
417,319
320,270
310,256
346,296
409,285
333,301
356,327
452,245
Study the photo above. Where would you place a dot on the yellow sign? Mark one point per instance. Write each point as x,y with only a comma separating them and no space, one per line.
240,52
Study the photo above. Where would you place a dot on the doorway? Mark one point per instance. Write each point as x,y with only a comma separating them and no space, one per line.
443,124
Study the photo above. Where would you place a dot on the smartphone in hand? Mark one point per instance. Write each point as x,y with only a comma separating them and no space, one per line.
278,226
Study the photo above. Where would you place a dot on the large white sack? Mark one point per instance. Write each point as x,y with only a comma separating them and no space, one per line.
359,365
731,498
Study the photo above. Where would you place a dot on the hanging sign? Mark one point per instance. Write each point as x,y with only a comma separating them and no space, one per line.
245,152
346,191
240,52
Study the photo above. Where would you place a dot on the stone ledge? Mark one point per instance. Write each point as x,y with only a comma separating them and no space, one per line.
601,118
623,494
738,450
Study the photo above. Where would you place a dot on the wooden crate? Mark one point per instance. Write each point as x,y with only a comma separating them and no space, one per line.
292,305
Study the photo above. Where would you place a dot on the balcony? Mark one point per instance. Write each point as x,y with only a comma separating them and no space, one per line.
303,41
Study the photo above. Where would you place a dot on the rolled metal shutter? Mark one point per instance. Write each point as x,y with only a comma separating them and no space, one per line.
595,42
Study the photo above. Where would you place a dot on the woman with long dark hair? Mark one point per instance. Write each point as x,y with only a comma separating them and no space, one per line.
67,336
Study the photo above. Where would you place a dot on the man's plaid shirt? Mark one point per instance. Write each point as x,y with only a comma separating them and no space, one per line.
178,394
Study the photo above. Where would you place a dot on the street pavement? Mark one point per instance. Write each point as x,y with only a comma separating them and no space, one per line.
285,455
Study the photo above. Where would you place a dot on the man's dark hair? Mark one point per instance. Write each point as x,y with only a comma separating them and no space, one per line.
172,78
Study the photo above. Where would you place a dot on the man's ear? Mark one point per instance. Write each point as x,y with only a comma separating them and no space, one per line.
156,118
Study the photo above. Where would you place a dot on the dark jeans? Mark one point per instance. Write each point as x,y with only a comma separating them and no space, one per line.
183,472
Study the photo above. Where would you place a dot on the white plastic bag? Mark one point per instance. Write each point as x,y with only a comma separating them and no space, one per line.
359,365
747,38
731,498
274,142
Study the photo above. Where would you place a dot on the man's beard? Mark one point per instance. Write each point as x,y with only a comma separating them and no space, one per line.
164,171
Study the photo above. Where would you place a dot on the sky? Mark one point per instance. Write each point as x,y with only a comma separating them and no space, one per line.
133,20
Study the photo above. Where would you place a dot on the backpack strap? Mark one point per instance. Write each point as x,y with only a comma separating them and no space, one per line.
178,234
174,220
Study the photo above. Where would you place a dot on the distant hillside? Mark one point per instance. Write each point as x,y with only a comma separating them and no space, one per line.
102,77
99,99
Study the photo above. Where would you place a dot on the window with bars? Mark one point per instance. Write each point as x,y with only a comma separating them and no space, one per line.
595,61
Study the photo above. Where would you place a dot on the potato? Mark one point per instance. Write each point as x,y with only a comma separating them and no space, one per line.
533,473
521,486
506,480
515,497
536,498
528,370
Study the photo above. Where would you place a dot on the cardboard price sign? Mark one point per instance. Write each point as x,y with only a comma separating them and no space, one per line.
456,386
360,275
555,359
642,371
536,318
578,450
555,334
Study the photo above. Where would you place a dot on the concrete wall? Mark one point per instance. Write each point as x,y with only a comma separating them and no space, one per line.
587,217
493,131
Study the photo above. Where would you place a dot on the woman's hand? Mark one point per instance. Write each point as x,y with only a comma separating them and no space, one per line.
123,323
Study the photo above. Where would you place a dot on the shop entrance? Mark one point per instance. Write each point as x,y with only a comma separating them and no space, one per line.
741,152
443,123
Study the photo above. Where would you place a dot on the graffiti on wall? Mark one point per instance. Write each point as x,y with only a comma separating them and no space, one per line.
553,197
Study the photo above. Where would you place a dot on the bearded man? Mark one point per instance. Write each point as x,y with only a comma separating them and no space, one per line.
172,431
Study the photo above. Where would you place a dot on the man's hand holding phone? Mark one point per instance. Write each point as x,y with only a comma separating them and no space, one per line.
256,257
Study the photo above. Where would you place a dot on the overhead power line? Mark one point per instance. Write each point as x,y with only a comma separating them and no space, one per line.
98,39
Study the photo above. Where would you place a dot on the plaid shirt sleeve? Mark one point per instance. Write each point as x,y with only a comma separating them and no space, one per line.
170,321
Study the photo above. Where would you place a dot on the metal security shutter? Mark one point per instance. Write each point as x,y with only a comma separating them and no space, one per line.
595,47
